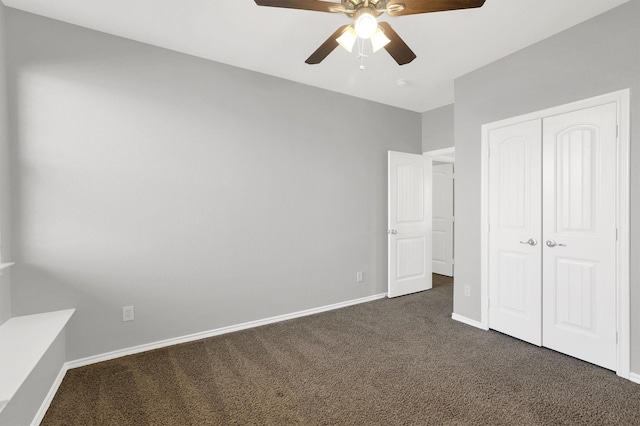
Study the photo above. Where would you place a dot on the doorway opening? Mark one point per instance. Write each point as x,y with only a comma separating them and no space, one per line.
443,210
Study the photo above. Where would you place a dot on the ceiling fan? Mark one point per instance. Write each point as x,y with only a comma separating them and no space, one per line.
364,14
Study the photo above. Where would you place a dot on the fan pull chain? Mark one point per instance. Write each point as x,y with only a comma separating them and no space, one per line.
361,54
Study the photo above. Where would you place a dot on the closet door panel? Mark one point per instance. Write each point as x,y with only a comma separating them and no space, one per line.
515,231
579,232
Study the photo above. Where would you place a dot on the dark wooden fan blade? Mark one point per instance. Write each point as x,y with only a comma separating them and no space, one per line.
397,48
319,6
413,7
327,47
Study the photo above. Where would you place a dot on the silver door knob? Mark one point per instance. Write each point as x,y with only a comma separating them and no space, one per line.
392,231
531,242
551,243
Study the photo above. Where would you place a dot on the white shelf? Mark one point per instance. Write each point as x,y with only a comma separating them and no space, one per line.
5,265
23,342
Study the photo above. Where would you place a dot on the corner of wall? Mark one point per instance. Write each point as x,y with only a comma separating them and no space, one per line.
437,128
5,286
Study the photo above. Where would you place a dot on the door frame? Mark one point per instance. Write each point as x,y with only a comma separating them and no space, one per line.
622,100
444,155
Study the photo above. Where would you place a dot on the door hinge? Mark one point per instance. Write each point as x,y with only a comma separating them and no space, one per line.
617,131
616,234
616,337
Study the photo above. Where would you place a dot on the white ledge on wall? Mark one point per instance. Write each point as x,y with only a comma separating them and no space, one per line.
24,341
6,265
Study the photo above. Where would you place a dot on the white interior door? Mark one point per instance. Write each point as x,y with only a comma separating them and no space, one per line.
579,278
409,208
515,263
443,219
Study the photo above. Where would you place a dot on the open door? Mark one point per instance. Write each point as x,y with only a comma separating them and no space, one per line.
442,219
410,223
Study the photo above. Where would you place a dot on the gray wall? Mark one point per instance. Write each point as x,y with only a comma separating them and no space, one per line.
437,128
5,286
599,56
202,194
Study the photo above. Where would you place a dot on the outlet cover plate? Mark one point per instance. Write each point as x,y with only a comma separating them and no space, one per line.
127,313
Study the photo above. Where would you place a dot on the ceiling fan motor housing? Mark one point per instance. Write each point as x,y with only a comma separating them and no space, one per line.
353,7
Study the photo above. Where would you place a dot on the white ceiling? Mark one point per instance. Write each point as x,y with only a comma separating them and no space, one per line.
277,41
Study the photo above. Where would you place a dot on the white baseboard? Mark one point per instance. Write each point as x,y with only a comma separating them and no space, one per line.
224,330
468,321
634,377
49,398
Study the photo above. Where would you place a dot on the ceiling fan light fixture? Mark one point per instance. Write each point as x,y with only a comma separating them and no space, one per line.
348,39
364,14
365,24
379,40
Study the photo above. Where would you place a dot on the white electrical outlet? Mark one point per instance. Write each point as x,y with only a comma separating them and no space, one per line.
127,313
467,290
359,277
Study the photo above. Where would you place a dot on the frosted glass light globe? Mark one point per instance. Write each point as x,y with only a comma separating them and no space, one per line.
366,25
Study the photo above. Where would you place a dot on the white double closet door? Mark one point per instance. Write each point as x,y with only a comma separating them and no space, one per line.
552,233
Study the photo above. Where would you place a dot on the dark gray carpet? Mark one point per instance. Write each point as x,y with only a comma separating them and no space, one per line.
391,362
